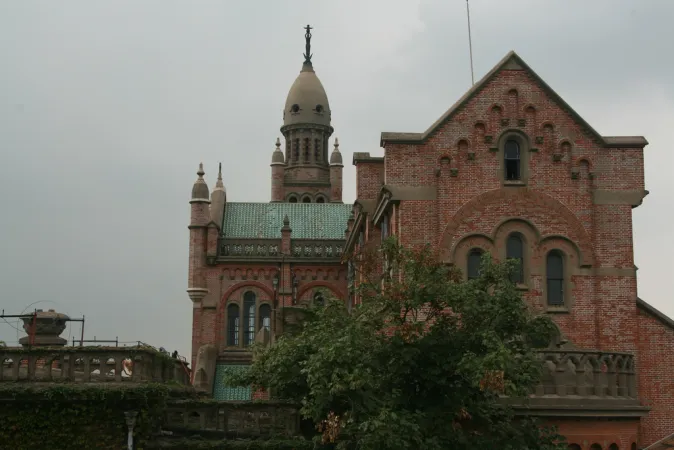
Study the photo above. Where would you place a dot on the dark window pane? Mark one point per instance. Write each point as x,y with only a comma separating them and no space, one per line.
233,325
512,160
248,318
555,278
265,317
515,250
474,260
512,150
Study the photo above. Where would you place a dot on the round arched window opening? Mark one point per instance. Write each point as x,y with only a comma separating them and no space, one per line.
319,108
306,200
320,200
295,108
292,199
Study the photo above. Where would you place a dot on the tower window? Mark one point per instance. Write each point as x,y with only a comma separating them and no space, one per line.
512,160
317,150
295,108
296,151
319,108
515,250
248,318
473,263
306,150
555,278
233,324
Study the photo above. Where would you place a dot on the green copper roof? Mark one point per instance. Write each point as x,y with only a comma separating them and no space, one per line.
264,220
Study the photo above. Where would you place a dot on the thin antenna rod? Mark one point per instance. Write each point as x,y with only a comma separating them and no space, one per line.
470,46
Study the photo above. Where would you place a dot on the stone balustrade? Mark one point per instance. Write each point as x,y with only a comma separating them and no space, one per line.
587,373
245,419
91,364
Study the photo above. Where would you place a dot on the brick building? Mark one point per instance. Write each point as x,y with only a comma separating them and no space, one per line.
510,169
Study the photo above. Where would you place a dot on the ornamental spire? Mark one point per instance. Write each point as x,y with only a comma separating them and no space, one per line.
307,54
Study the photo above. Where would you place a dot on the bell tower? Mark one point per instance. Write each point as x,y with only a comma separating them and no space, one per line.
306,130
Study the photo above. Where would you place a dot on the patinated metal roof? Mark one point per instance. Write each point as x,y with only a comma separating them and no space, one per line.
264,220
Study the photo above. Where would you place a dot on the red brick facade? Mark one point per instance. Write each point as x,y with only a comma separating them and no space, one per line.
572,193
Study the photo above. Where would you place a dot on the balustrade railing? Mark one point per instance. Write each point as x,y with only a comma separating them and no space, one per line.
587,373
245,418
91,364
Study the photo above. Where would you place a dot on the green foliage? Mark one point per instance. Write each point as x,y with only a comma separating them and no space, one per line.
71,416
421,363
238,444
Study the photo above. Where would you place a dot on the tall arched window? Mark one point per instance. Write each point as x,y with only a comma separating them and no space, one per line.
265,317
555,278
512,160
248,318
515,250
233,324
317,151
473,263
384,227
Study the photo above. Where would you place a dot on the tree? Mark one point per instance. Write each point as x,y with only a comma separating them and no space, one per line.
420,364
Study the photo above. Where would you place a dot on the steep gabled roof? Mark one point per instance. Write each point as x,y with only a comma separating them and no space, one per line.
512,61
662,317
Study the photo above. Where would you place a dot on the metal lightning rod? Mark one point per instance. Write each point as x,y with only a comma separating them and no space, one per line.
470,46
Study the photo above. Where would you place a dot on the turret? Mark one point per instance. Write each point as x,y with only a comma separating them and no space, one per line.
218,199
278,166
336,167
199,219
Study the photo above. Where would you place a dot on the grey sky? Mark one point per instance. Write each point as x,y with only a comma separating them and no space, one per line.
107,107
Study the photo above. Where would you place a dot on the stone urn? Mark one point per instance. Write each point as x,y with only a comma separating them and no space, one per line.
48,327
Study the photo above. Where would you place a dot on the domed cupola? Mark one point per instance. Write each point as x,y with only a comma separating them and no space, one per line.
307,102
306,170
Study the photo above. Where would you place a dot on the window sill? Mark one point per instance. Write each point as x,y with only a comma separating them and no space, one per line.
557,310
514,183
521,287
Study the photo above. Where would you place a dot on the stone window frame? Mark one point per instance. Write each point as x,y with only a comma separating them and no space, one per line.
565,248
238,301
530,237
293,198
524,143
466,245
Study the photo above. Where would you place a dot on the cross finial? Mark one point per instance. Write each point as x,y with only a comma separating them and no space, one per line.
307,36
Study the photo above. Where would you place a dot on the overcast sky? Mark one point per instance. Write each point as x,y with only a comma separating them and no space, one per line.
107,108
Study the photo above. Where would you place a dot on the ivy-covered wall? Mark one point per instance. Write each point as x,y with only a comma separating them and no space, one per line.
75,416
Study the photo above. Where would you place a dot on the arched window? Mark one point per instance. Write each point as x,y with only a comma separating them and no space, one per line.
233,324
512,160
317,149
265,317
306,200
296,151
319,299
307,150
292,199
555,278
574,447
515,250
613,446
474,261
320,200
595,447
248,318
